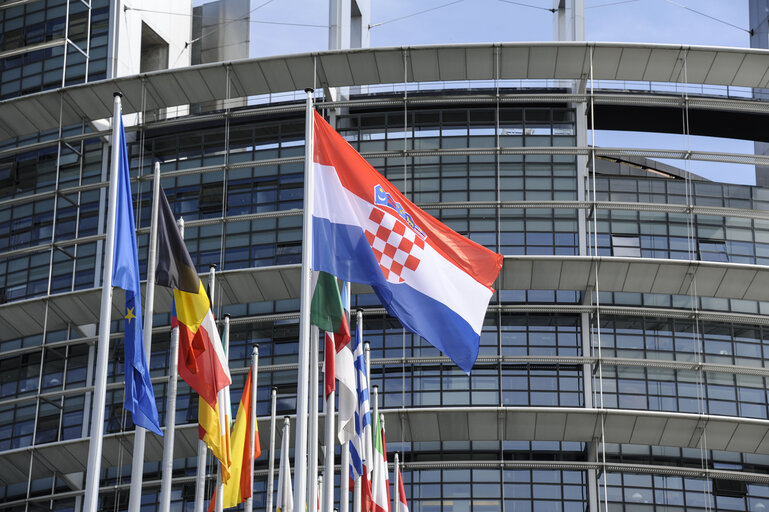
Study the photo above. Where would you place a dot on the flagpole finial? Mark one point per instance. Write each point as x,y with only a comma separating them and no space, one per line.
211,265
226,315
117,94
256,350
310,90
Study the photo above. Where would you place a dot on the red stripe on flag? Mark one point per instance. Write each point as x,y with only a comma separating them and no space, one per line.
360,178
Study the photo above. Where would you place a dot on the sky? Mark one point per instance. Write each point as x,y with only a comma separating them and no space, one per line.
292,26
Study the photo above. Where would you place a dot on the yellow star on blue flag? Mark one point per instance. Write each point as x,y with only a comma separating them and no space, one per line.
139,395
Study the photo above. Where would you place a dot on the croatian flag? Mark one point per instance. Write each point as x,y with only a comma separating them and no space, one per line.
435,281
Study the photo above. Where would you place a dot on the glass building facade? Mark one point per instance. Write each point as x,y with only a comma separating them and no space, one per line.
504,162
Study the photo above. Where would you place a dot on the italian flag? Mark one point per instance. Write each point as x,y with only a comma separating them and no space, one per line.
380,488
329,312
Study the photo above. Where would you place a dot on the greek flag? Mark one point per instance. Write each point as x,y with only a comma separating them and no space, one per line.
360,445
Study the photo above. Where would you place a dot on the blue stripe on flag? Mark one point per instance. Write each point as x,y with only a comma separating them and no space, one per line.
347,254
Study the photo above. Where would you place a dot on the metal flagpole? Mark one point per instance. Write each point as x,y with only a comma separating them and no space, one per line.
284,482
320,492
312,449
300,446
396,489
200,474
100,377
344,479
344,474
328,471
222,402
252,433
375,424
137,465
356,497
271,462
167,465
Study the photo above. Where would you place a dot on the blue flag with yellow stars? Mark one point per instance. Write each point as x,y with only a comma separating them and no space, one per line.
139,396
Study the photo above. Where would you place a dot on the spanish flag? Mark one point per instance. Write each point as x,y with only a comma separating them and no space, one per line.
238,488
202,362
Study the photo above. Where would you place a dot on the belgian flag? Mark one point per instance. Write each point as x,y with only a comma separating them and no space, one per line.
202,362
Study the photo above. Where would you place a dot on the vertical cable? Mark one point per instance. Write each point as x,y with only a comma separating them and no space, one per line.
406,194
596,291
692,246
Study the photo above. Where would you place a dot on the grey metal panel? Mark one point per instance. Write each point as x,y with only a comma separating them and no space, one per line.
759,287
362,68
633,63
580,427
751,70
619,427
251,76
708,280
669,278
426,427
453,426
606,62
736,282
215,78
640,276
575,274
664,65
301,69
546,275
570,62
550,425
719,433
678,431
520,425
517,274
724,68
611,275
513,62
423,65
648,430
338,68
15,467
452,64
542,61
484,425
746,438
93,102
389,65
194,88
481,63
698,64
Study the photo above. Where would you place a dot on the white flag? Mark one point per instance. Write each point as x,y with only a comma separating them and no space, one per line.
285,501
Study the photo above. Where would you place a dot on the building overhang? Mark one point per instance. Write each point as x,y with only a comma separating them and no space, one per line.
572,273
645,428
204,83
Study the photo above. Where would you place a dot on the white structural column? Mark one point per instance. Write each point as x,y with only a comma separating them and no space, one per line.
137,464
167,465
303,374
93,471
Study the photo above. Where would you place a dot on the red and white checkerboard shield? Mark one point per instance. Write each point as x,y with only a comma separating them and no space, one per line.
397,248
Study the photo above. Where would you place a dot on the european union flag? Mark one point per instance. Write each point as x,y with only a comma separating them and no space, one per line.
139,396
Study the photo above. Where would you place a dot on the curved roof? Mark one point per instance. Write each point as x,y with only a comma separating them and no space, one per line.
251,77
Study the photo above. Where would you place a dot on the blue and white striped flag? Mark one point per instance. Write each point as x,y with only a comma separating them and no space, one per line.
360,445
